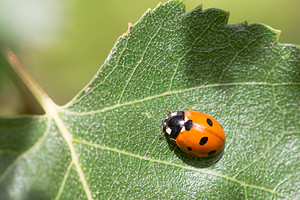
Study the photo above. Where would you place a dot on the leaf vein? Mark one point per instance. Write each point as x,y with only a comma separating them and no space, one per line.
142,57
209,172
61,189
174,92
180,59
237,53
53,111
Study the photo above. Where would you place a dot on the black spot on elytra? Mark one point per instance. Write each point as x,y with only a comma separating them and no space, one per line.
189,148
188,125
212,152
203,140
209,122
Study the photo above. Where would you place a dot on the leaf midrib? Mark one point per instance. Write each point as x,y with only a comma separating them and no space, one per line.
53,110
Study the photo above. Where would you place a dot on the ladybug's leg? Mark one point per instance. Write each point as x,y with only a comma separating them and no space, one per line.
163,134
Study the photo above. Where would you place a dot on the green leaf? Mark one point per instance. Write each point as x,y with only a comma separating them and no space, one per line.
106,142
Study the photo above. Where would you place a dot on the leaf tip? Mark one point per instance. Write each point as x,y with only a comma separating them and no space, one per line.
227,13
199,7
276,32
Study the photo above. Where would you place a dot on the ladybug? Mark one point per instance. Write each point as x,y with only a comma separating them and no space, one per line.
196,133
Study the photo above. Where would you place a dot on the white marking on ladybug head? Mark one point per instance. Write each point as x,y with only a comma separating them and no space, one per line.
186,119
182,129
181,122
173,114
169,131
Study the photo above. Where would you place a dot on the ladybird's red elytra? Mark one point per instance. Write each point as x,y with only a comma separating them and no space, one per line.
196,133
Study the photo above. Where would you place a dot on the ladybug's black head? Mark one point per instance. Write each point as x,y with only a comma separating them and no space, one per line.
173,124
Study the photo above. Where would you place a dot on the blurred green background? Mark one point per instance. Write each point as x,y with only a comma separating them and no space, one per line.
63,43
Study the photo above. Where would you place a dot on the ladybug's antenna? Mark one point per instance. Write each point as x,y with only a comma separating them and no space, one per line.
168,112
